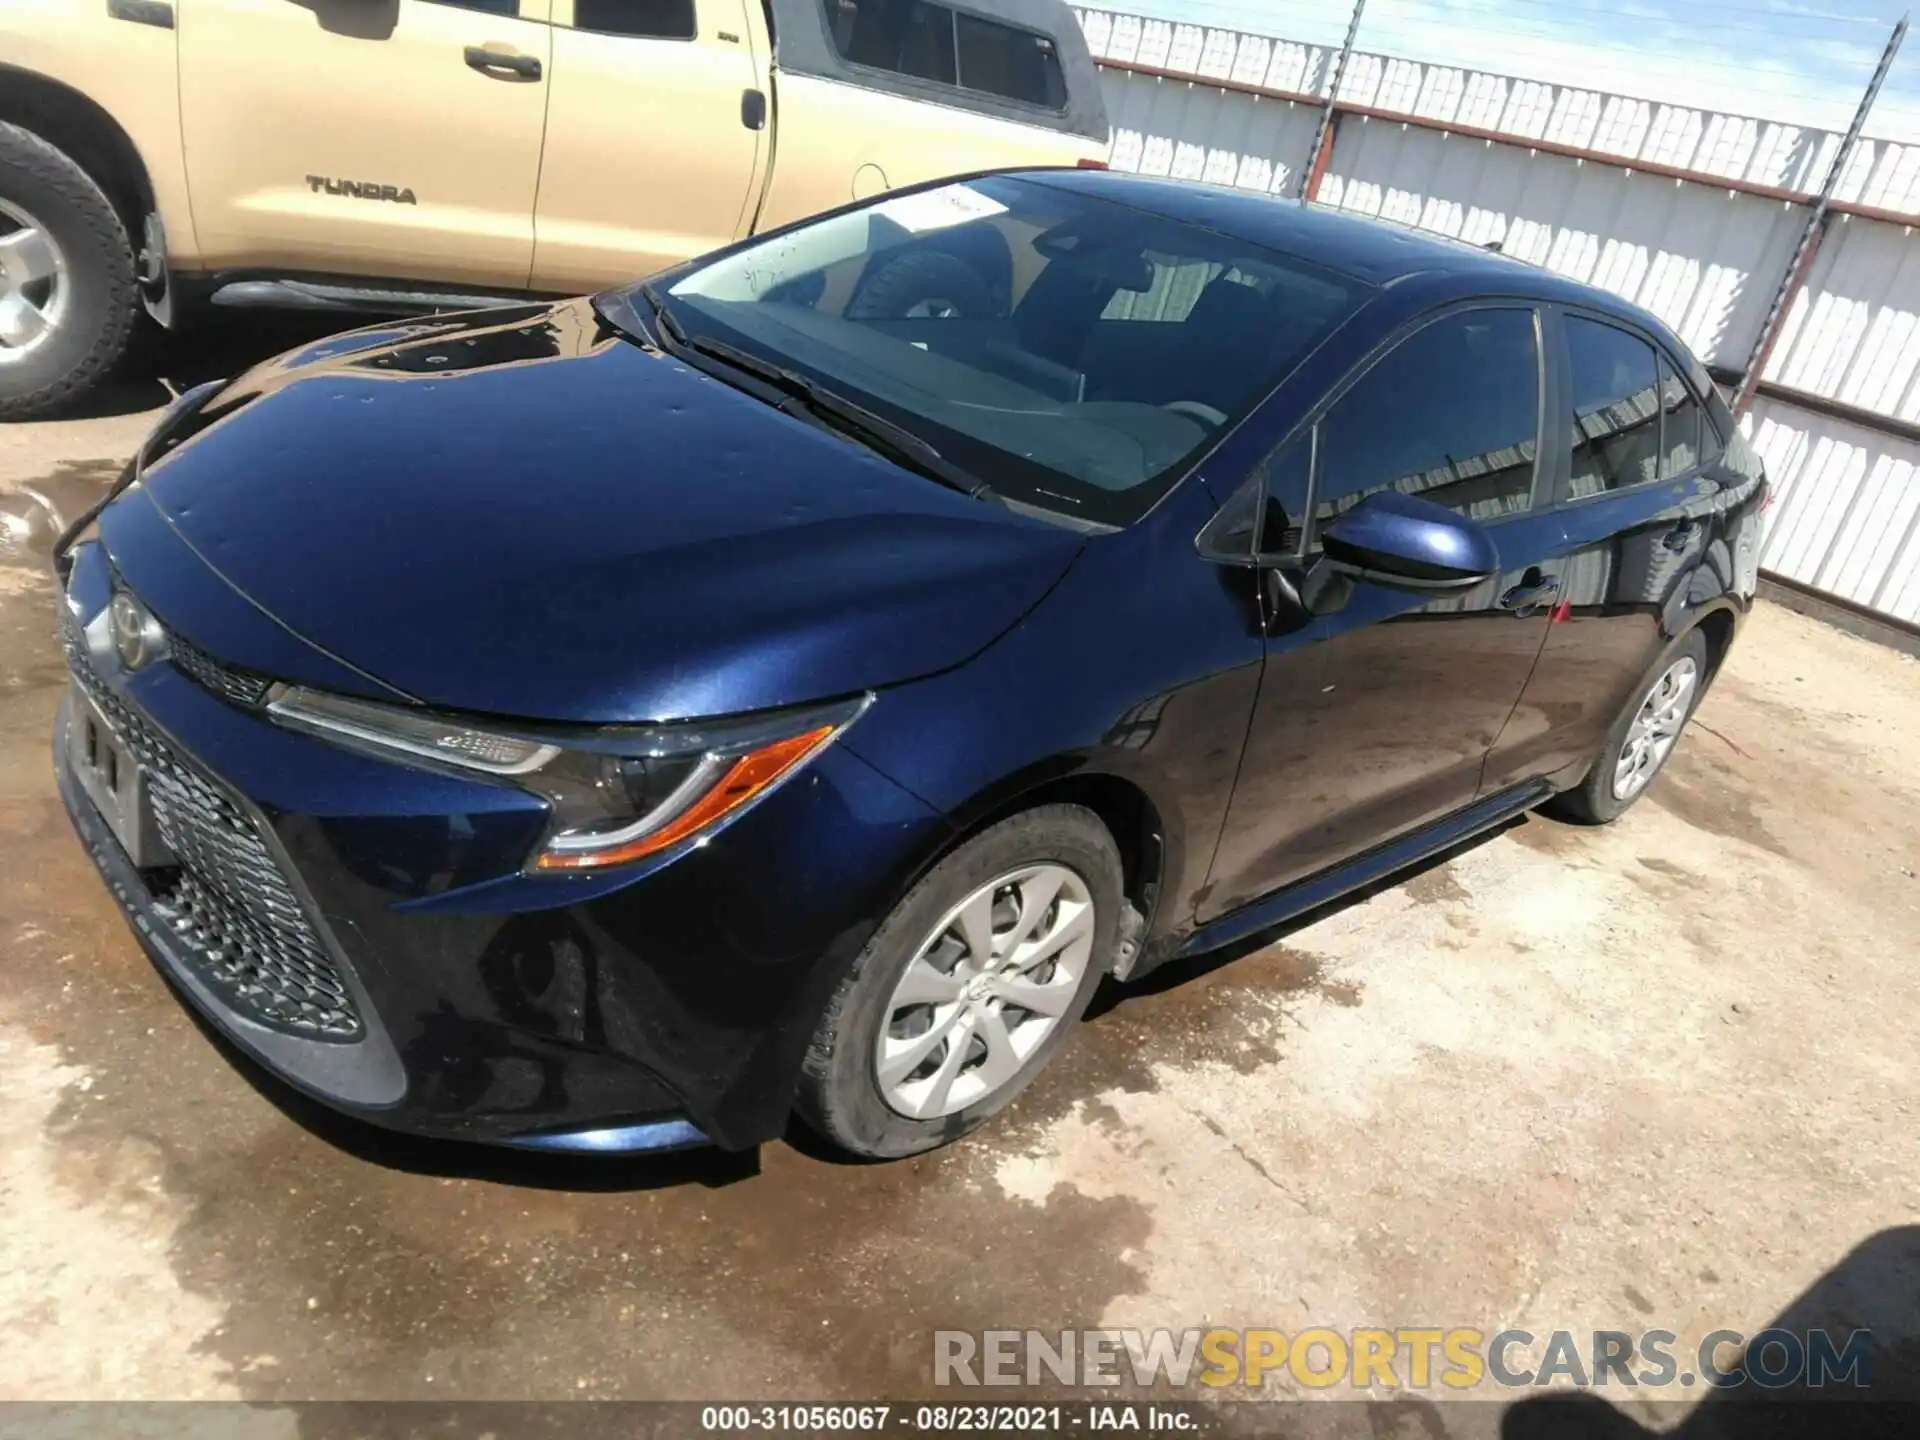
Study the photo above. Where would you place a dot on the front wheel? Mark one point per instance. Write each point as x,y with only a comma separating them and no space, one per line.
968,987
68,295
1642,739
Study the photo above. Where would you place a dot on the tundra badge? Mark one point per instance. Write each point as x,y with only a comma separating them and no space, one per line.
361,189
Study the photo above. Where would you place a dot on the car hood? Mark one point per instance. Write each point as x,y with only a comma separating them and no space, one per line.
525,513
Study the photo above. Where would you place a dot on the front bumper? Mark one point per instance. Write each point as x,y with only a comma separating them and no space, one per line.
363,1073
585,1013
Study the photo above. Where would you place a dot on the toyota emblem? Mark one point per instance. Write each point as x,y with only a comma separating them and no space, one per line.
137,636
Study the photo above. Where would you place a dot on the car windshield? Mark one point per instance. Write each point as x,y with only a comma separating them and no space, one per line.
1069,352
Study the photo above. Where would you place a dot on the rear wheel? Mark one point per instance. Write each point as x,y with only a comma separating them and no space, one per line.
68,294
1642,739
968,988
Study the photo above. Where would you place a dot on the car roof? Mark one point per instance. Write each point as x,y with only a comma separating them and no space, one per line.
1378,252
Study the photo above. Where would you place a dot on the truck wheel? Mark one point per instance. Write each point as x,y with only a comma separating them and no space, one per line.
68,292
921,285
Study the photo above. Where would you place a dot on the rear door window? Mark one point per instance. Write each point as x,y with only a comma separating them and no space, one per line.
1451,414
1616,409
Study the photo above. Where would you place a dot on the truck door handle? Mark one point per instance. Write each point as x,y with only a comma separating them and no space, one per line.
753,109
142,12
488,61
1533,591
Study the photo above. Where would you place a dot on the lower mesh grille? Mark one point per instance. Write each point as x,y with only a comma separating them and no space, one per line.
238,921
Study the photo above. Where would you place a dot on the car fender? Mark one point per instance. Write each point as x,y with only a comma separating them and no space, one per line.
1137,673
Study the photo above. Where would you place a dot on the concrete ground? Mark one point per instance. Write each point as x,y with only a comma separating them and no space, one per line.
1660,1075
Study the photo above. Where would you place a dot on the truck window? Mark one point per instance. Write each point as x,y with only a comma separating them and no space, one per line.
935,42
907,37
1015,64
651,19
506,9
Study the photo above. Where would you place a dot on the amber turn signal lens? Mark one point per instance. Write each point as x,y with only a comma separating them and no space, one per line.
750,775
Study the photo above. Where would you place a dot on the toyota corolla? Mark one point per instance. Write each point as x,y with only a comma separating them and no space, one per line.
795,682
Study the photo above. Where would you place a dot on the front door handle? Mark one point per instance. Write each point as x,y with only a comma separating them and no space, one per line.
753,109
1533,591
492,62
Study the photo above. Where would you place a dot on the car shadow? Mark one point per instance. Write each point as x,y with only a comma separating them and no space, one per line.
1874,1288
711,1167
474,1160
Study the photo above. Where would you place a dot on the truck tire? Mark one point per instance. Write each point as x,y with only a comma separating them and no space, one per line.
922,285
69,295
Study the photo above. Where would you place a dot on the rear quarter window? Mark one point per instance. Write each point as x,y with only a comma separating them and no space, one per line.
1681,424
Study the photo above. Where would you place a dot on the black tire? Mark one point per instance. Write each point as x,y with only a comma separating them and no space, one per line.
921,278
840,1095
103,299
1593,802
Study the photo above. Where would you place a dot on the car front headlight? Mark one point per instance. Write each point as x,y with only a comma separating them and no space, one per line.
618,794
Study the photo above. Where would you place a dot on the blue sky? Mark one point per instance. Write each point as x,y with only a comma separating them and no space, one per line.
1801,60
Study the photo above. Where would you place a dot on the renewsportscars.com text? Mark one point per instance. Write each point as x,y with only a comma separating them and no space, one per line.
1459,1358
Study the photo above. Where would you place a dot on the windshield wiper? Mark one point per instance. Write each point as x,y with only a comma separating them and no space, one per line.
876,432
665,321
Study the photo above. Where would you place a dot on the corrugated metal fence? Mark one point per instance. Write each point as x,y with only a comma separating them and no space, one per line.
1692,214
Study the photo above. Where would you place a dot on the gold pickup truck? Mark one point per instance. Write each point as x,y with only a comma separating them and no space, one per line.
392,155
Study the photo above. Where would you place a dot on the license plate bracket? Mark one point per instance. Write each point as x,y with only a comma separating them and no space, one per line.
114,780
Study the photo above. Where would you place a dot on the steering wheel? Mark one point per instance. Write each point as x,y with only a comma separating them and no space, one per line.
1193,409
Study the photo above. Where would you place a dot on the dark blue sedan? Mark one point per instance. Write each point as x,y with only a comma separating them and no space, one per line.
793,683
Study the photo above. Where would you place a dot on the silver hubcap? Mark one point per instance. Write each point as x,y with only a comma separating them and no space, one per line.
985,989
33,284
932,309
1655,728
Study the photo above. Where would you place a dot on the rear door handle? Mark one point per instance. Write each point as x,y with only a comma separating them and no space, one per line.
1533,591
490,62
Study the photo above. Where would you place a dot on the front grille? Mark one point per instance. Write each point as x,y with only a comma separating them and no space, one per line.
226,901
235,686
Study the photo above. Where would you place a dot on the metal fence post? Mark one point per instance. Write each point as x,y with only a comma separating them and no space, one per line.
1322,152
1801,265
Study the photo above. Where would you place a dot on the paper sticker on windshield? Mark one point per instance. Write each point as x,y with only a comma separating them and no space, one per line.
938,209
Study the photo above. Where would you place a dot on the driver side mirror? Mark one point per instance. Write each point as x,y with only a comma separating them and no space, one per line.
1400,540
